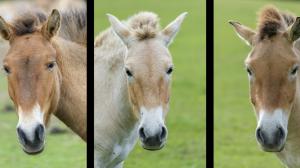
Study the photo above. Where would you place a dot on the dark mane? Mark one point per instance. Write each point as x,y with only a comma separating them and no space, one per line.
271,21
73,24
27,22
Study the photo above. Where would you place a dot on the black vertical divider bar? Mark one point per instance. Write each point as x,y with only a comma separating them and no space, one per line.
90,84
209,83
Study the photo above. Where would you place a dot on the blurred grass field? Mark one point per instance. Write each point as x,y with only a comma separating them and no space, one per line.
235,122
186,120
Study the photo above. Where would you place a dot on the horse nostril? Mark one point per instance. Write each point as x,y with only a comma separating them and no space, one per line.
280,133
39,132
142,133
259,135
163,133
22,136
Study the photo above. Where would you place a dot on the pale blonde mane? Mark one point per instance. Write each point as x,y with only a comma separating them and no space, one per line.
144,25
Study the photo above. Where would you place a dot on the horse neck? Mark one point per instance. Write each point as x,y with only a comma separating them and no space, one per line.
297,45
111,84
294,118
125,116
72,104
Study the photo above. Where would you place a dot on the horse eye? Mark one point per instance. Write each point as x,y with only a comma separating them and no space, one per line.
249,72
6,69
129,74
294,70
170,70
50,65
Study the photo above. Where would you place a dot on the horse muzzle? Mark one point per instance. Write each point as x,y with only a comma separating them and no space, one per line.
271,141
32,140
152,130
272,130
154,141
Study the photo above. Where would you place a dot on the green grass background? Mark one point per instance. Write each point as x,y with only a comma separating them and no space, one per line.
235,122
186,120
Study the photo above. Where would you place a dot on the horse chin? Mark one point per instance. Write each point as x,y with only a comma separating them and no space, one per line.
277,149
33,149
33,152
153,148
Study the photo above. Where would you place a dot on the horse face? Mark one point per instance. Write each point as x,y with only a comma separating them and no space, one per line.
148,68
32,84
272,71
272,67
33,77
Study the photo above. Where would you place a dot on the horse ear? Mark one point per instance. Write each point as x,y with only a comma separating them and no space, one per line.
294,30
244,32
5,29
170,31
120,29
52,25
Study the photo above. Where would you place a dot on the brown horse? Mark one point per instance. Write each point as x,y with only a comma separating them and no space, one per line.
272,67
46,75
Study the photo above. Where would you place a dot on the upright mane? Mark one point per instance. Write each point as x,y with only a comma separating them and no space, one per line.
271,21
74,25
28,22
145,25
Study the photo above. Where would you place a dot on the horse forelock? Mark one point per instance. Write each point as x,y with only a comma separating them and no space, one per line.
145,25
28,22
271,21
73,23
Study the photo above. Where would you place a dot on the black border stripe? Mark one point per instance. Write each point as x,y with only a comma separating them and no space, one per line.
90,83
209,83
